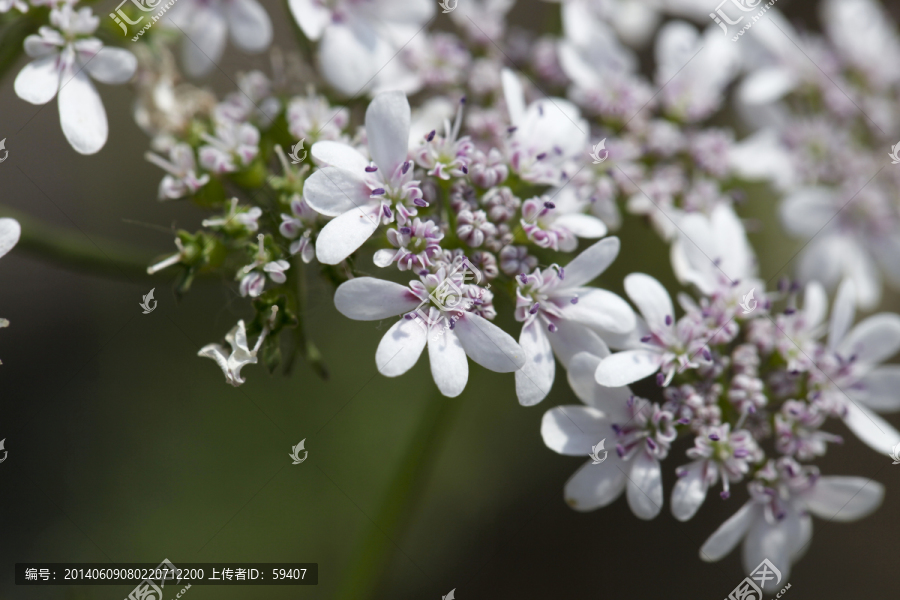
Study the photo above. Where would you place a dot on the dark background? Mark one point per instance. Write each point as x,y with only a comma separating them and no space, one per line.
125,446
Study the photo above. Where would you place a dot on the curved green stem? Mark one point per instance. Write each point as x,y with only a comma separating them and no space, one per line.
386,528
74,250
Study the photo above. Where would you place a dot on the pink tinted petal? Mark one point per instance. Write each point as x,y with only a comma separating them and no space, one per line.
370,299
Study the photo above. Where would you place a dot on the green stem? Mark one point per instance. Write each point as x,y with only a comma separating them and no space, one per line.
74,250
302,342
381,537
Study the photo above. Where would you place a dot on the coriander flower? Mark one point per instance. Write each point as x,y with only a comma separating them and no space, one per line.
469,335
64,55
776,523
360,194
241,354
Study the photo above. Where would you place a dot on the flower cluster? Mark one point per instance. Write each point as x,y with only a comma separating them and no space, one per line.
492,200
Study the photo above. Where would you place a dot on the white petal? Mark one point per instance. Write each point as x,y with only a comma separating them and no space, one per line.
488,345
601,309
333,191
644,490
10,231
806,211
342,236
772,542
726,537
612,401
570,338
218,354
815,304
81,114
623,368
842,313
534,380
766,85
311,16
583,226
873,340
249,23
387,128
595,486
112,65
652,300
449,366
204,41
38,81
400,347
871,429
689,492
514,95
836,498
573,430
370,299
588,265
384,257
336,154
881,389
349,58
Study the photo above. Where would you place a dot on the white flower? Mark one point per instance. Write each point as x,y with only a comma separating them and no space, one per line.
546,135
234,146
855,237
558,312
643,434
712,252
776,524
207,23
717,453
182,179
851,380
358,39
64,57
657,343
692,70
10,230
370,299
7,5
240,355
558,225
483,20
358,193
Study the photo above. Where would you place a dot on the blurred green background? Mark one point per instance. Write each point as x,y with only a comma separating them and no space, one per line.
125,446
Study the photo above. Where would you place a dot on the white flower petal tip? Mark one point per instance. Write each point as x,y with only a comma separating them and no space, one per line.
10,232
